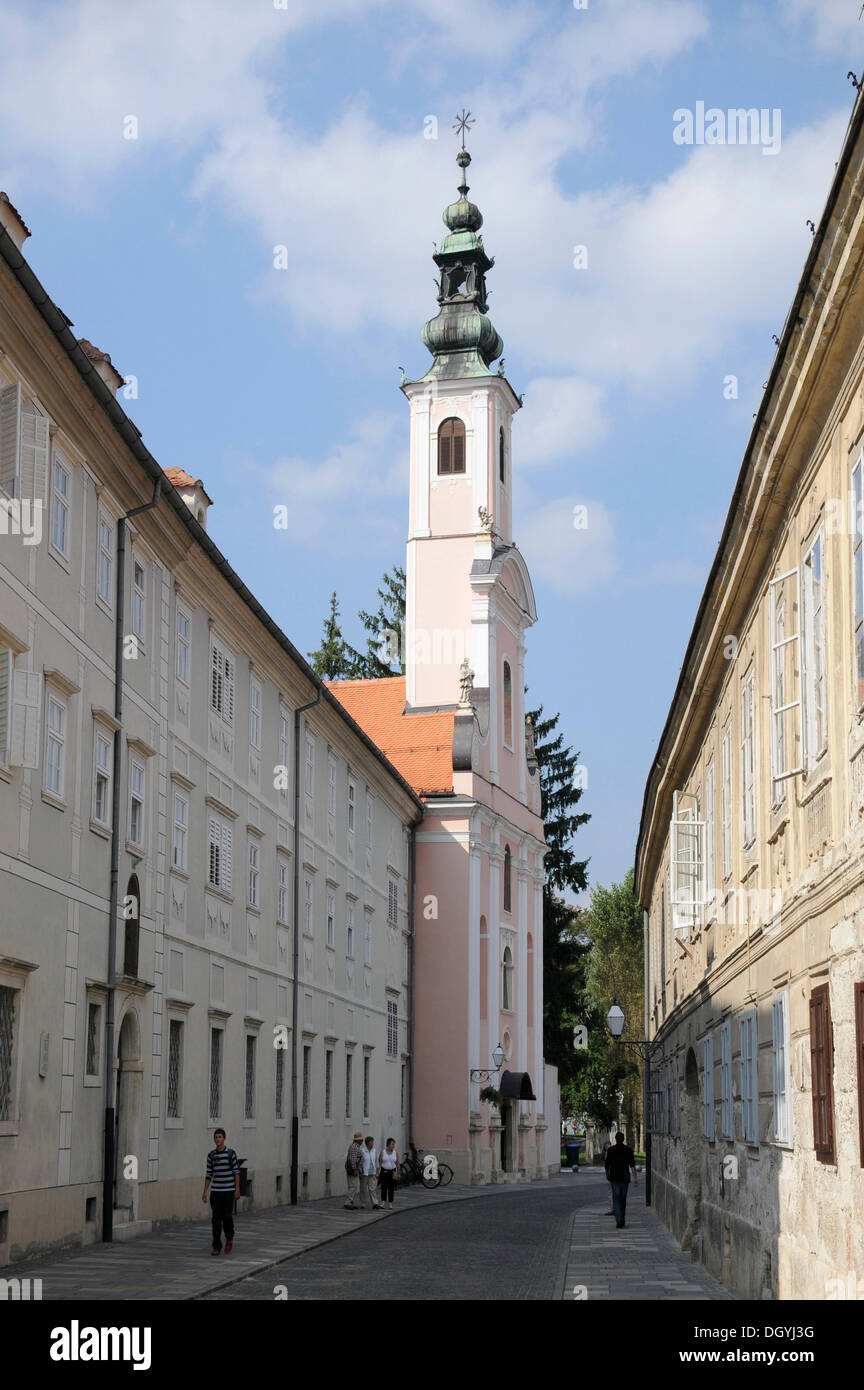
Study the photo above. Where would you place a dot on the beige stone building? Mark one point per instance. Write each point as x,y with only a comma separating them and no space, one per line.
750,859
248,801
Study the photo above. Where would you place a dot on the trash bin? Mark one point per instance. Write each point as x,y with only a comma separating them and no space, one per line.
571,1148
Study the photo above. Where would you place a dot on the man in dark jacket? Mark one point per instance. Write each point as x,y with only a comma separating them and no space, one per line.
354,1168
620,1163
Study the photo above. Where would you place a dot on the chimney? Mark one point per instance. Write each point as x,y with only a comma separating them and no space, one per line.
192,491
12,222
102,362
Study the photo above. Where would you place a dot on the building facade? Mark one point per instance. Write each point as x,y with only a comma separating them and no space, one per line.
750,861
455,726
260,843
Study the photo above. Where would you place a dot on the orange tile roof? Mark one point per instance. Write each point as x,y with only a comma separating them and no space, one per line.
420,746
180,478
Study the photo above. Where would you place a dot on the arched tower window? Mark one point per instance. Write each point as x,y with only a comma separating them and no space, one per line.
451,446
501,453
131,914
507,979
508,893
508,705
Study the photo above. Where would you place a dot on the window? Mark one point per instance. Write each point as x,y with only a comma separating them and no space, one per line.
103,761
331,919
254,851
7,671
60,507
402,1093
222,683
780,652
255,714
451,446
331,787
349,1068
781,1063
726,801
136,803
105,558
249,1098
749,1078
501,454
349,930
370,819
367,941
282,890
392,1027
219,847
858,579
55,742
94,1035
710,892
508,892
352,801
686,841
392,901
307,906
367,1085
181,830
284,740
307,1068
328,1084
726,1121
508,705
310,766
183,627
822,1073
859,1050
8,1060
279,1109
215,1073
175,1069
708,1087
813,632
748,788
138,583
507,979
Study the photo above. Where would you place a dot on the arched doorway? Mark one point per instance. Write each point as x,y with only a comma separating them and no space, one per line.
692,1139
128,1157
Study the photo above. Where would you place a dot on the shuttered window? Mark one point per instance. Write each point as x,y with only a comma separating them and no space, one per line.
34,453
392,901
726,1122
219,867
222,683
451,446
822,1073
782,1079
749,1078
10,435
708,1087
392,1027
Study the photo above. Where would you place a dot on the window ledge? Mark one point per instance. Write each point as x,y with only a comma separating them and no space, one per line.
178,873
5,773
137,851
218,892
99,829
51,800
174,1122
62,560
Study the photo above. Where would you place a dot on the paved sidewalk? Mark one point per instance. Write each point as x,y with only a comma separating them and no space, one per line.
174,1262
641,1262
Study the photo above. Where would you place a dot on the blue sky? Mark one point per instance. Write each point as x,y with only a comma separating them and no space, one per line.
304,126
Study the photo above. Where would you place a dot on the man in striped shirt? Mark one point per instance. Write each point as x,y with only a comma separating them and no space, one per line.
223,1184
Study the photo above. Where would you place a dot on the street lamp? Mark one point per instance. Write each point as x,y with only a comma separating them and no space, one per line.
615,1021
486,1073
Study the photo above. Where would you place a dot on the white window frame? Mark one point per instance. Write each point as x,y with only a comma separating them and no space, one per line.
253,884
309,765
781,1059
308,905
283,889
220,1029
392,1028
710,892
708,1087
219,853
749,1041
367,937
222,680
175,1121
256,699
726,799
727,1120
748,758
815,707
284,739
179,831
137,793
352,805
55,744
105,523
61,478
349,929
331,919
103,770
182,630
331,786
686,841
139,596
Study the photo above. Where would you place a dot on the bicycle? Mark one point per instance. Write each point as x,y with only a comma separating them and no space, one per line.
425,1168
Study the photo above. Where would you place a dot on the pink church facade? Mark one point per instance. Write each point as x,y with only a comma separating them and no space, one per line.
455,726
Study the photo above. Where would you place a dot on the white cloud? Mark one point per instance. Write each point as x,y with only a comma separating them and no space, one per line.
835,23
563,415
572,559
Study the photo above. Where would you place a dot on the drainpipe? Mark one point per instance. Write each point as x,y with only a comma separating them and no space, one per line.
295,991
114,893
412,893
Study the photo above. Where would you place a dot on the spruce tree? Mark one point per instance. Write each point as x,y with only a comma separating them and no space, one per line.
385,633
331,661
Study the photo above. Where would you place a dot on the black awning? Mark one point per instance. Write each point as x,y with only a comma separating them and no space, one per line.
516,1085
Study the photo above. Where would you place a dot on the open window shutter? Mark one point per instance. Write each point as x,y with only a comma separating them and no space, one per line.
26,705
216,679
785,659
778,1045
214,844
5,692
821,1068
10,435
225,877
228,695
687,870
34,456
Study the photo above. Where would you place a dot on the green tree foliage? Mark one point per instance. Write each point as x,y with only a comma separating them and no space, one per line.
559,795
613,926
385,631
331,661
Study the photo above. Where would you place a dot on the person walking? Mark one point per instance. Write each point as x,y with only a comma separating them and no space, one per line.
367,1174
354,1168
223,1185
620,1163
388,1173
606,1147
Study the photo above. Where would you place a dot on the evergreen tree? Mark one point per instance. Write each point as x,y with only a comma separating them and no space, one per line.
614,927
385,633
331,661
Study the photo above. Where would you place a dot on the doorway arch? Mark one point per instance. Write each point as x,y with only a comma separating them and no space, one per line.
129,1082
692,1138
